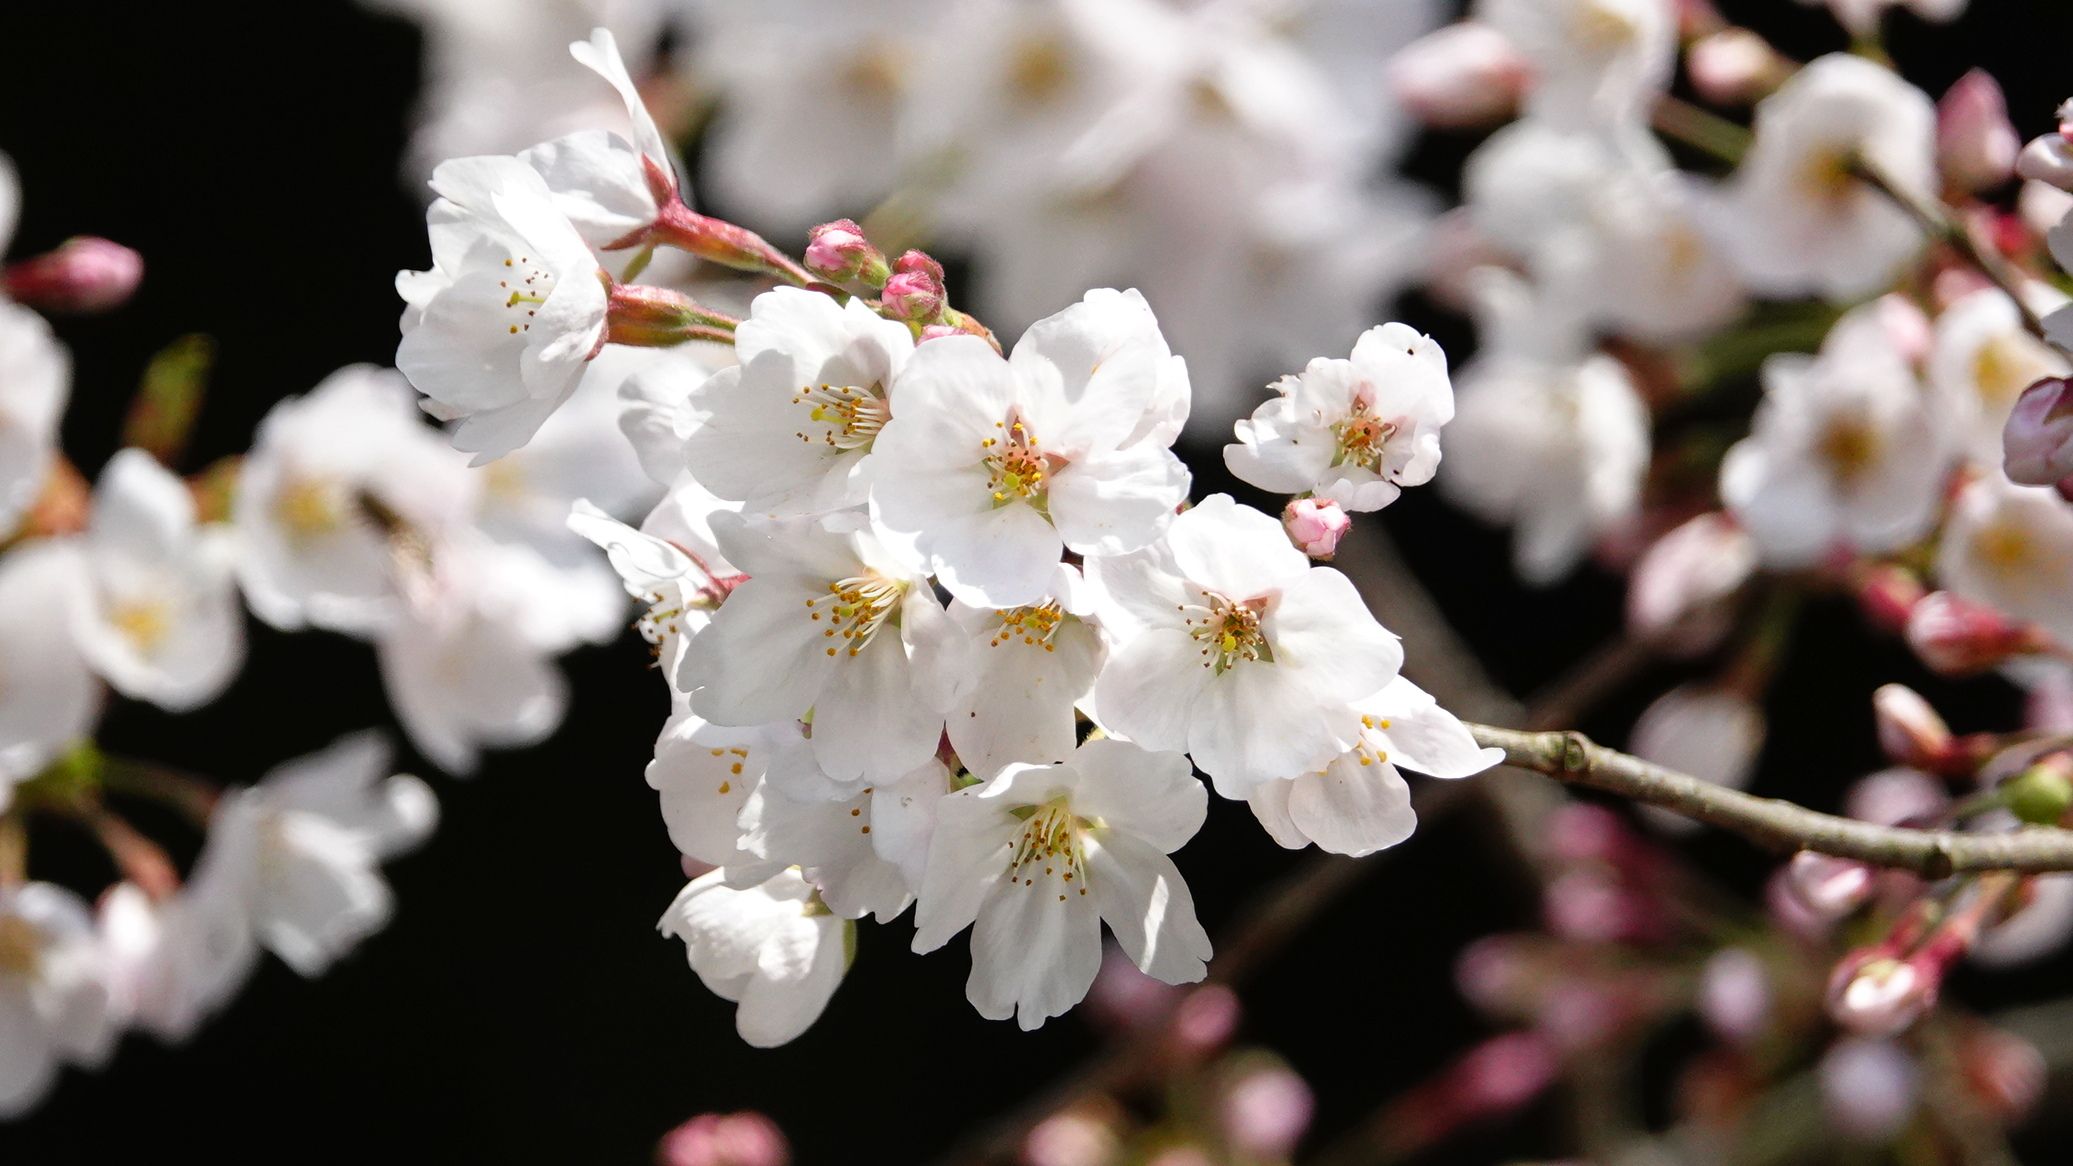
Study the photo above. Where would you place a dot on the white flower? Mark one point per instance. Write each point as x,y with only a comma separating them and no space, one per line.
1595,62
311,551
787,432
655,387
600,181
2011,548
1232,647
864,854
1360,803
1709,731
498,333
835,623
1845,451
301,850
995,465
1861,17
160,617
1031,667
173,963
774,949
1981,360
704,774
469,662
35,380
1039,857
1805,223
1546,435
671,572
813,98
53,992
48,696
1355,431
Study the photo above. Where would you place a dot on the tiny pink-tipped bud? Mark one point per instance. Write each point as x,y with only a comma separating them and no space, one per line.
1586,906
839,253
1267,1110
1581,833
1869,1088
647,316
1127,999
2037,440
1735,66
724,1139
1494,972
915,292
1463,76
2005,1072
1875,993
1976,145
1316,525
1828,886
1679,583
1887,595
1205,1020
1072,1137
1956,637
1910,731
1735,995
83,276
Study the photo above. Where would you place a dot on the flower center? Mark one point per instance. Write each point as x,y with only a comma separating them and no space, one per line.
1362,437
1016,468
850,417
144,623
1038,70
527,287
1601,26
309,508
2005,546
21,946
876,72
2006,365
1049,848
1370,751
1034,625
1849,445
855,608
1229,631
1825,176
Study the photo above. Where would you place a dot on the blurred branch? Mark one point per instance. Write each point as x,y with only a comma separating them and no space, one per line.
1573,758
1937,221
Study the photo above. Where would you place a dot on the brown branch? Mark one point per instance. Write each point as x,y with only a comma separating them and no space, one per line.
1573,758
1937,221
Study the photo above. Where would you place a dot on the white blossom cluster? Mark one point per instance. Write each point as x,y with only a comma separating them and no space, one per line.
1225,156
899,573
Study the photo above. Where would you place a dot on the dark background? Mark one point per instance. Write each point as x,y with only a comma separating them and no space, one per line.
521,1007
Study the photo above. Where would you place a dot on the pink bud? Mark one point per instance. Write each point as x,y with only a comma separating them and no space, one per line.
1887,594
1875,993
1493,972
1869,1088
915,290
1957,637
1579,832
1463,76
1896,797
1585,906
1266,1111
1205,1019
1910,731
1976,145
1585,1015
1907,326
84,275
1827,886
1683,578
1735,67
1735,995
839,253
1126,998
724,1139
2037,440
1790,912
939,331
2006,1072
1504,1072
1071,1137
1316,525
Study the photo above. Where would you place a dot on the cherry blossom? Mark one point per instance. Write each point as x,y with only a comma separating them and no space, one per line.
1031,668
54,992
35,381
774,949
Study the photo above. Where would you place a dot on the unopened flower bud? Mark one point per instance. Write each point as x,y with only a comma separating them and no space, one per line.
1316,525
1875,993
839,253
1463,76
1887,594
1735,995
1869,1088
1493,972
1072,1137
1828,886
1910,731
915,292
84,275
1586,906
2005,1072
1735,66
1976,146
1205,1019
1680,583
2037,440
2041,794
646,316
1579,833
1956,637
1266,1111
724,1139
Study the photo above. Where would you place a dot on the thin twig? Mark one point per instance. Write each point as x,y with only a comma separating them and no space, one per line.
1937,221
1575,759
